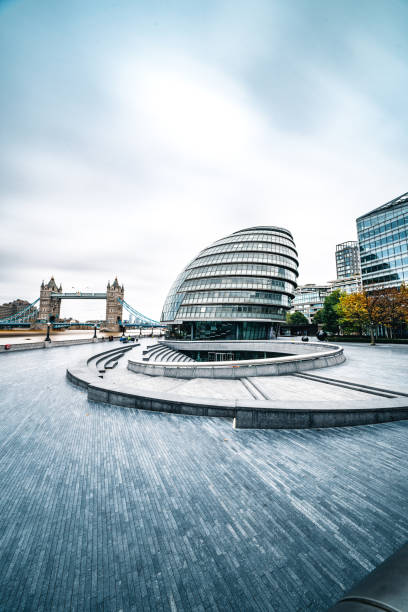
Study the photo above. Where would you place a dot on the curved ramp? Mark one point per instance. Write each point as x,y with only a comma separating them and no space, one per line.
256,408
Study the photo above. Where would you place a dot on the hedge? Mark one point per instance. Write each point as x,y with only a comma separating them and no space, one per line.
367,339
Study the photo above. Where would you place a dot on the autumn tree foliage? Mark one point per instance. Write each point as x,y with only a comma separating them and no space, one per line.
395,305
387,306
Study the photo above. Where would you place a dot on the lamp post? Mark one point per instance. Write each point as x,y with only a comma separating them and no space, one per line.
48,339
94,331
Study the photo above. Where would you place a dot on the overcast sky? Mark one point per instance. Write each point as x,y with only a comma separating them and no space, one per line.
135,133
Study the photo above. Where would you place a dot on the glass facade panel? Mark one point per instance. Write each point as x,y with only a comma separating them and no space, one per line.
265,247
243,268
383,243
228,330
227,311
347,259
245,257
239,282
224,297
309,299
272,238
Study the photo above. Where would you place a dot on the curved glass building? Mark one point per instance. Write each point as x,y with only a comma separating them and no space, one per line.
240,287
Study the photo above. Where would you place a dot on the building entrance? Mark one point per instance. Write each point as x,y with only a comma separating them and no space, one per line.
230,356
220,356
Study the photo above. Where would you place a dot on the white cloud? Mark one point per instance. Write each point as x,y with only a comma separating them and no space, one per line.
179,151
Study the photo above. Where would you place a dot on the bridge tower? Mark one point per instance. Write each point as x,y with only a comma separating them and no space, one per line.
49,306
113,308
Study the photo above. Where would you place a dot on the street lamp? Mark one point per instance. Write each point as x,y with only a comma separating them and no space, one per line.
94,331
48,339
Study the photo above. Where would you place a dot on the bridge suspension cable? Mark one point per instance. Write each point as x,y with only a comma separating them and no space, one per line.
23,316
139,318
30,312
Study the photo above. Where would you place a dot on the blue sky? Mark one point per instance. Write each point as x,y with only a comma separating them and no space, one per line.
136,133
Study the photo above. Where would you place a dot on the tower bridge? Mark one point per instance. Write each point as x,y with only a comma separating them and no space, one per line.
51,296
50,307
79,295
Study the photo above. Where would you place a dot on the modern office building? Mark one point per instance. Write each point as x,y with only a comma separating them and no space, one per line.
240,287
383,242
346,285
347,259
309,299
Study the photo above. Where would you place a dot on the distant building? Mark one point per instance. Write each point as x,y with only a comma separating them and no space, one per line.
11,308
383,242
309,299
347,259
346,285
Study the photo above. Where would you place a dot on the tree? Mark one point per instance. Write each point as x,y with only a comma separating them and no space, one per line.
296,318
329,315
317,317
363,309
395,306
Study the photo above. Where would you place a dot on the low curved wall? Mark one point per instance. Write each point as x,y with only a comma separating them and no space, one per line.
47,345
247,414
303,356
293,347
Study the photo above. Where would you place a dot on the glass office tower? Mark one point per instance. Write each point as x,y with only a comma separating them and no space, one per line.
383,241
347,259
240,287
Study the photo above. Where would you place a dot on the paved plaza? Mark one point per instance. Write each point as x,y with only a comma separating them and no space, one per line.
108,508
381,366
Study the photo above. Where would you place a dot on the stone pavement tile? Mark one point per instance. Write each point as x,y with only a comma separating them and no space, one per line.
382,365
214,388
109,508
293,388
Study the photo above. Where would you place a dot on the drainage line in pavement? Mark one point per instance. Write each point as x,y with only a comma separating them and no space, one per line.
254,389
353,386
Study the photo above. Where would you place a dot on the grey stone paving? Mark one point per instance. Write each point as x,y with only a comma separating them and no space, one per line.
105,508
382,365
218,388
293,388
